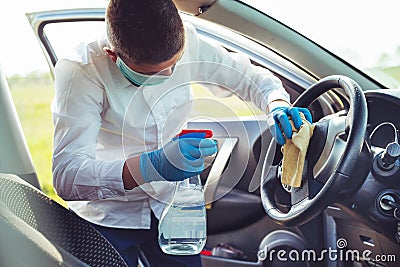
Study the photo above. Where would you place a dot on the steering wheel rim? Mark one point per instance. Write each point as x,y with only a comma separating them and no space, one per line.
340,177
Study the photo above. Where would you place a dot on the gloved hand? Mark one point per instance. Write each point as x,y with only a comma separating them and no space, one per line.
179,159
279,120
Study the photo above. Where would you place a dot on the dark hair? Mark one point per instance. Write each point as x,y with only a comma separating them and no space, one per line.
145,31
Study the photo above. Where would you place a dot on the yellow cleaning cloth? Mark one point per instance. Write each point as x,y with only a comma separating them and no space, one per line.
294,153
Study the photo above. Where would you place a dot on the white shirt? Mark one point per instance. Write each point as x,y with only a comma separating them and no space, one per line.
100,119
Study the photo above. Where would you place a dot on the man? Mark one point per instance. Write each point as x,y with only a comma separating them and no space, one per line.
119,103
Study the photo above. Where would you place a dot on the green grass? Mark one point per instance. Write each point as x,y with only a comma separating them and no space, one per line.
32,97
393,72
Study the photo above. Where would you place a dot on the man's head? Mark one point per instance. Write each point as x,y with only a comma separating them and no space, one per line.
145,33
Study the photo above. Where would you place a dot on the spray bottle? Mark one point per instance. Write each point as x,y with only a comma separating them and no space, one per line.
182,227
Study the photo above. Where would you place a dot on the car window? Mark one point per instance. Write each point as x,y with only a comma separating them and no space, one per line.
65,36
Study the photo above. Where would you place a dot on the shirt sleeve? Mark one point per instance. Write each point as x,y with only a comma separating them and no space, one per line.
235,72
76,109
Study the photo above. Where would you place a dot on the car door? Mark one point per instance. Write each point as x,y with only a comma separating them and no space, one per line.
236,220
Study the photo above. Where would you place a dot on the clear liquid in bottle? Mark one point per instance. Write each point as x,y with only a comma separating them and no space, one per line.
182,227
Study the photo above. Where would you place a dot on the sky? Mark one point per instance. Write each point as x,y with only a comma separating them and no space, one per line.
20,52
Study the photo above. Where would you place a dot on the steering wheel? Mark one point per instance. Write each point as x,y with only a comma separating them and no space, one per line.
331,158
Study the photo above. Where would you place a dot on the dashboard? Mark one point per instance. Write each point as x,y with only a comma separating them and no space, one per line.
383,182
376,228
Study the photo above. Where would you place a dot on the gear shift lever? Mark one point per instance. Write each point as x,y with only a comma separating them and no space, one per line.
387,159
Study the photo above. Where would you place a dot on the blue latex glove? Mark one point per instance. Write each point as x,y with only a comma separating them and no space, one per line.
280,117
181,158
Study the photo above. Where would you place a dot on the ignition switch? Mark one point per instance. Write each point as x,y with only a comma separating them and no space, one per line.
387,202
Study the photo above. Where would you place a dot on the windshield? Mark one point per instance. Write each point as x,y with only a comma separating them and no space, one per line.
363,33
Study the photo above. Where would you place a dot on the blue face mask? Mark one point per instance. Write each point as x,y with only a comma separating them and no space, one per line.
139,79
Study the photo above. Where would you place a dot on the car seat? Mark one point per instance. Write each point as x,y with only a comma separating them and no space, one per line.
37,231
